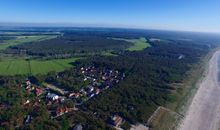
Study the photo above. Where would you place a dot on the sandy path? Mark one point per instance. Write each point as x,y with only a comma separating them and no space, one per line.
139,127
204,111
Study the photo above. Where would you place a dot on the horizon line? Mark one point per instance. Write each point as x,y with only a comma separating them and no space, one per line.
93,25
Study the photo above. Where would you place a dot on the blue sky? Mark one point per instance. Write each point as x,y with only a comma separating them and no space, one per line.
188,15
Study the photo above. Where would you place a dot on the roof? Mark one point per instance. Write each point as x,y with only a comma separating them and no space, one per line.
77,127
38,91
51,95
117,120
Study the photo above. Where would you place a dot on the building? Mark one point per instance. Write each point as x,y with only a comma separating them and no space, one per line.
60,111
77,127
27,102
28,83
97,91
91,88
38,91
52,96
28,119
116,120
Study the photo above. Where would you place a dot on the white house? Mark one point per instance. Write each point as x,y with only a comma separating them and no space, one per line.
52,96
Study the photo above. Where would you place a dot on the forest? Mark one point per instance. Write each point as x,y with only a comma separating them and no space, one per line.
70,44
3,38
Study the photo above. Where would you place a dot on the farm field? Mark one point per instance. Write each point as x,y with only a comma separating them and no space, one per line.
24,39
34,67
138,44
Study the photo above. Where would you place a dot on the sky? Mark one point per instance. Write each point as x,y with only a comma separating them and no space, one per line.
187,15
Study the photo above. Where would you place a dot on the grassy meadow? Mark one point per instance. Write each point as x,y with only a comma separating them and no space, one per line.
138,44
33,67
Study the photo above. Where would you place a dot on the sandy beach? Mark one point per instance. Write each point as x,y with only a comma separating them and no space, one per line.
204,110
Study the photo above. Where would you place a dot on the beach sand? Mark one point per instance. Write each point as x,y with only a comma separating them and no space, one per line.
204,110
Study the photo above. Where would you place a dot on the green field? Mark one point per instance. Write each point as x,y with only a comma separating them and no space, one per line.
108,53
24,39
34,67
138,44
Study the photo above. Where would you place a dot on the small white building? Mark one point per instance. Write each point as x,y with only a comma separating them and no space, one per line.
52,96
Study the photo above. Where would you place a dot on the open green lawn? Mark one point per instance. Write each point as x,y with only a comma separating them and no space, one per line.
108,53
24,39
138,44
34,67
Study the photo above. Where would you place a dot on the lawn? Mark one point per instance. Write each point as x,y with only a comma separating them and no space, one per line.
34,67
138,44
108,53
24,39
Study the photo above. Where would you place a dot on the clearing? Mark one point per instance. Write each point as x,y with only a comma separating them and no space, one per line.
34,67
138,44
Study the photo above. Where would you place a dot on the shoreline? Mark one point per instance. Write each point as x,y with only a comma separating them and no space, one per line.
201,113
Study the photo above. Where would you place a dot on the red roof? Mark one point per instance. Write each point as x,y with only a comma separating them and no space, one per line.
38,91
62,110
117,120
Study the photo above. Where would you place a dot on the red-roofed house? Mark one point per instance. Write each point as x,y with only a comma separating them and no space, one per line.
38,91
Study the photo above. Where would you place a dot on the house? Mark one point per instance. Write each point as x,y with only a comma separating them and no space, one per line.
77,95
123,75
72,94
36,103
28,119
60,111
116,120
85,79
77,127
62,99
91,88
97,91
28,89
91,95
28,83
38,91
49,103
83,91
27,102
106,87
52,96
104,78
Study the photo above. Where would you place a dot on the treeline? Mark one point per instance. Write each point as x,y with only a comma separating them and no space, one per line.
70,44
4,38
